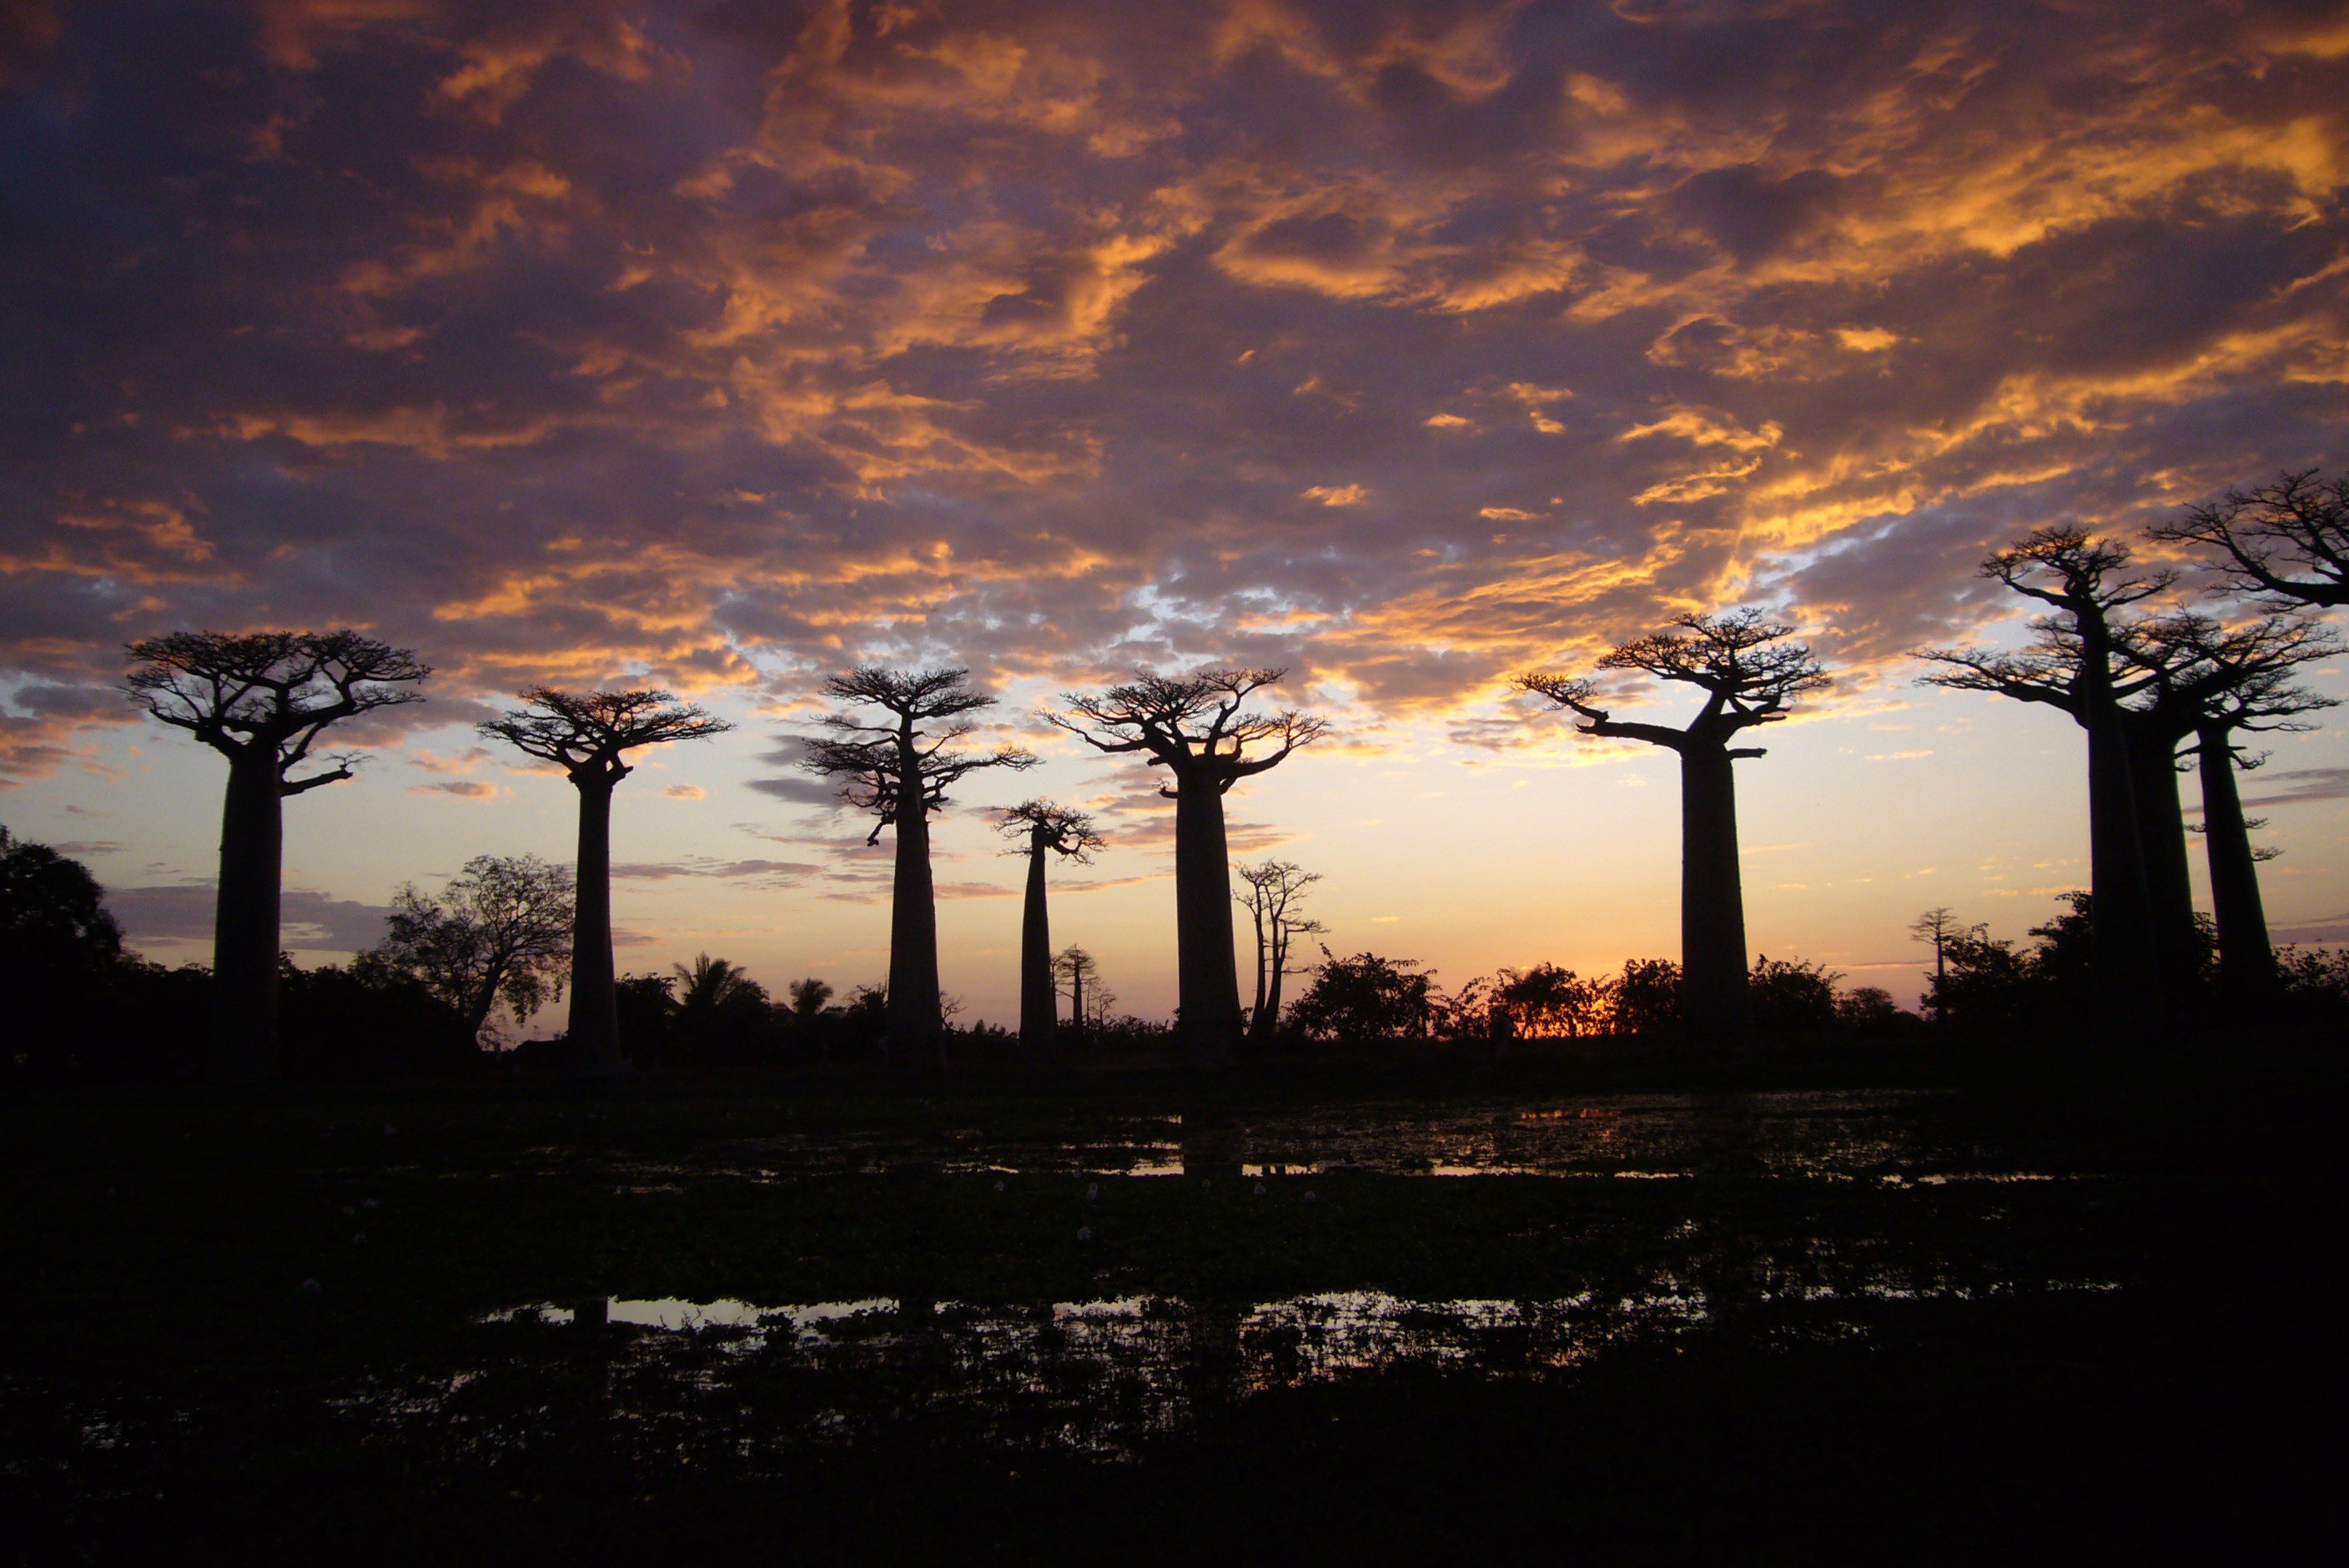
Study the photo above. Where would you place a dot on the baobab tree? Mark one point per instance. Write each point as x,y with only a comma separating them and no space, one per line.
1271,890
2289,539
262,700
588,735
1749,673
2079,666
1075,969
2204,675
2231,679
1040,827
899,770
1197,727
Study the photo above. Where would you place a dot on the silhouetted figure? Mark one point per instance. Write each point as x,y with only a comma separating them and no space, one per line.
1196,728
2289,539
899,770
499,932
1046,829
1273,889
587,734
1748,679
2079,667
261,701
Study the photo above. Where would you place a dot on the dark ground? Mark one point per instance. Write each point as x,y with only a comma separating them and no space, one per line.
1794,1349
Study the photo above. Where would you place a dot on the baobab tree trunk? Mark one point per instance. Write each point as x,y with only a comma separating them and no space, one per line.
2161,840
2121,925
914,1020
594,1007
1077,1000
1207,978
1038,997
1256,1029
245,1032
1712,896
2247,963
1267,1020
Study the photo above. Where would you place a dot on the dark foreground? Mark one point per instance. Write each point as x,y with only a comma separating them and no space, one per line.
2012,1309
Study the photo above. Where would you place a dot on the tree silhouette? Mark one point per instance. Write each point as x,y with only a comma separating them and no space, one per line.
1077,972
2289,539
808,997
1940,927
500,931
1040,827
1198,729
900,771
588,734
1272,889
261,701
2237,680
1749,673
2209,678
2079,666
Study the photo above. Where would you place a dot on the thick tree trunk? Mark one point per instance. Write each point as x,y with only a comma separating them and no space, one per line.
2127,982
2247,963
594,1005
914,1019
1713,897
1207,983
2161,840
244,1026
1039,998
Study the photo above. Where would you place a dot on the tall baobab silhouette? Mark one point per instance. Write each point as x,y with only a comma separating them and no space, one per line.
261,701
1272,889
587,734
2203,673
1196,726
2078,666
1749,673
2289,539
1040,827
900,770
2235,679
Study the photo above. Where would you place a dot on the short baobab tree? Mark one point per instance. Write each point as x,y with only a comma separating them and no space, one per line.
1079,973
588,735
1039,829
2079,665
262,700
899,769
1269,892
1749,675
2289,540
1198,728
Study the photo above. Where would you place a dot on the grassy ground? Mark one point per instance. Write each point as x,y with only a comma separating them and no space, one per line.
1793,1348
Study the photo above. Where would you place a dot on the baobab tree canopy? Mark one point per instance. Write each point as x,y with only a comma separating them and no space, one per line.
586,733
271,692
921,742
2289,539
1740,660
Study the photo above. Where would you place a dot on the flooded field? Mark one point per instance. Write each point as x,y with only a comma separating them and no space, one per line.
551,1299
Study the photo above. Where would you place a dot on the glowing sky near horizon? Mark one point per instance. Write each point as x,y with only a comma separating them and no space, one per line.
719,345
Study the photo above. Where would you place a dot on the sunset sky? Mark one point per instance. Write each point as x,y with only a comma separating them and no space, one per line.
721,345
